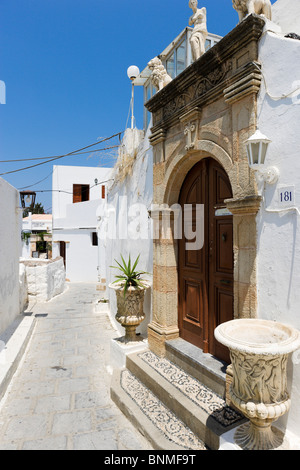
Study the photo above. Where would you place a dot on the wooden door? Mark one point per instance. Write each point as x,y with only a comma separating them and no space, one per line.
205,275
62,251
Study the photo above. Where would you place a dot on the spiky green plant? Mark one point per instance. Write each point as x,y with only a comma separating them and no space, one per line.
129,277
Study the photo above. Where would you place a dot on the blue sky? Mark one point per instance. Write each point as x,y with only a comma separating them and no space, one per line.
64,64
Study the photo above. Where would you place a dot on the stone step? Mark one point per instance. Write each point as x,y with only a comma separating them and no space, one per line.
206,368
150,416
202,410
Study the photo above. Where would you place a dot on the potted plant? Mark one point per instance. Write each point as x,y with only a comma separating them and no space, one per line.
130,290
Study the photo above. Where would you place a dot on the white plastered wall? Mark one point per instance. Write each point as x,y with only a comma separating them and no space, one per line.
126,198
10,248
278,261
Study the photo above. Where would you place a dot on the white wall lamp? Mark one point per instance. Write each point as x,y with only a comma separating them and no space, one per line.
257,146
132,72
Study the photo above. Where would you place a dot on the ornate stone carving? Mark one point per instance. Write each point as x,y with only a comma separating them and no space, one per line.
202,85
247,7
189,132
130,309
259,351
159,76
199,34
190,122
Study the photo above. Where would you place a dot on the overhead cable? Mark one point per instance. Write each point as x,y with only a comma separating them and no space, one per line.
62,156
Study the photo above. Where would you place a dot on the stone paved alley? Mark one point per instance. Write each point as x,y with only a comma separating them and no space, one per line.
59,397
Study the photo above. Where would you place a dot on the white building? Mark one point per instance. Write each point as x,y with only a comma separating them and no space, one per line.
37,223
274,265
37,233
278,259
79,199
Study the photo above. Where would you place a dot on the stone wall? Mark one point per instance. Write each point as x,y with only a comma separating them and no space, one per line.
45,278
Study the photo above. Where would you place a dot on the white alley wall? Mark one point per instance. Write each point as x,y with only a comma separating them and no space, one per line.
278,262
10,248
126,198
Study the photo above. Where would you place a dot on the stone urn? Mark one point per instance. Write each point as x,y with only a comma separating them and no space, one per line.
130,309
259,351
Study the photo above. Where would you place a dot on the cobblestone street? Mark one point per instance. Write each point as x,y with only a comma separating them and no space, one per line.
59,397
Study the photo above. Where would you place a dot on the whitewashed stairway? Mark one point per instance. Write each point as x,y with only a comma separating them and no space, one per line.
177,401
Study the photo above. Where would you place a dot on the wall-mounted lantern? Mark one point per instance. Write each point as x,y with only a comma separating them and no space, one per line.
257,146
27,199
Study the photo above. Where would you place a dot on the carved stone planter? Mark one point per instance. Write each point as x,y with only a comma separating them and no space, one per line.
130,309
259,352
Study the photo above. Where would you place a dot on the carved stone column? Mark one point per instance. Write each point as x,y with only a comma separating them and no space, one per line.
164,322
244,212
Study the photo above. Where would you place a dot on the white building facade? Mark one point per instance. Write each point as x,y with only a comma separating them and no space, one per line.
278,237
79,199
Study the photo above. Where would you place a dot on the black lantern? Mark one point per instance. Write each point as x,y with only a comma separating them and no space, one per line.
27,199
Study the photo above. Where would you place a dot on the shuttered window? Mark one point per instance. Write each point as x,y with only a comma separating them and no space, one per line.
81,192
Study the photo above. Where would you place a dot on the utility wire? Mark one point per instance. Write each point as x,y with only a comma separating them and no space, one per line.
58,156
25,187
70,192
61,156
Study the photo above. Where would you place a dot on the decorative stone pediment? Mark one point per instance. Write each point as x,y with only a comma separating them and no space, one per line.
202,86
228,69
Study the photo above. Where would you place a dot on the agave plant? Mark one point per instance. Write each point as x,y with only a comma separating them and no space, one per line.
129,277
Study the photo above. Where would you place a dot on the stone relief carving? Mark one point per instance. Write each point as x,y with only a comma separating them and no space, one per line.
199,34
247,7
189,131
159,76
199,88
260,381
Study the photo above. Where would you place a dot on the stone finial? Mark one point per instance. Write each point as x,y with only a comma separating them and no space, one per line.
247,7
199,34
159,76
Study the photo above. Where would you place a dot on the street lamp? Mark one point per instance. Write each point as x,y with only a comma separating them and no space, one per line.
257,146
132,72
27,198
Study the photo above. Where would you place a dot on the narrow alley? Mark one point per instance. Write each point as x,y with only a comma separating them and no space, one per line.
59,397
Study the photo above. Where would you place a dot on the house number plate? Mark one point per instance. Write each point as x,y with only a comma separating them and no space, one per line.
286,196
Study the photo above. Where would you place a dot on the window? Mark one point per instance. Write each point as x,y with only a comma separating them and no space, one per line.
149,91
94,239
103,192
176,62
181,58
81,192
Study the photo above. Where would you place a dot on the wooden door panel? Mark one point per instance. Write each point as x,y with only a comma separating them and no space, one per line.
223,312
224,245
205,276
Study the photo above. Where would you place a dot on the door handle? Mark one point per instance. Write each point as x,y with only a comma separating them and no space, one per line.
225,281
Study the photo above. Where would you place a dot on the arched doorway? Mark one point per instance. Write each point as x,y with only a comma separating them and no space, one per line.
205,275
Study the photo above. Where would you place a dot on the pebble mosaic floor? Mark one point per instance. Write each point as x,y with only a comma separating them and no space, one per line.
210,402
172,428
